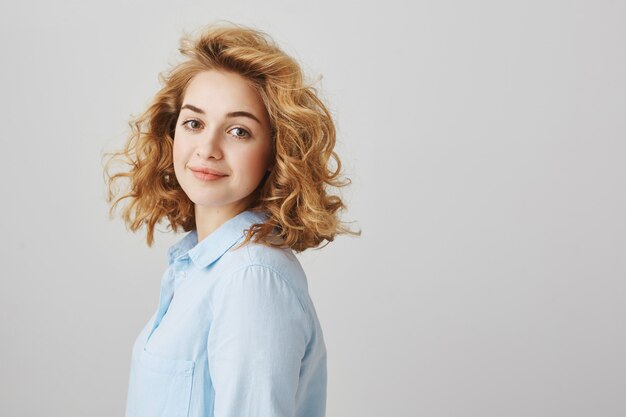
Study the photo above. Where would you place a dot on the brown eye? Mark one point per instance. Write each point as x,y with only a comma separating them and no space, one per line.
240,133
187,125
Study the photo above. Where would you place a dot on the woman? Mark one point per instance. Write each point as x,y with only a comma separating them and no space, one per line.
235,150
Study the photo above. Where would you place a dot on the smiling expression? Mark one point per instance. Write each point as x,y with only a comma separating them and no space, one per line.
222,142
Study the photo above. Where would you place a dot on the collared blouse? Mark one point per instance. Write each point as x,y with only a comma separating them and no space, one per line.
235,333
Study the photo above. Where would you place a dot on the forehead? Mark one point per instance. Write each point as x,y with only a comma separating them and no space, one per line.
222,91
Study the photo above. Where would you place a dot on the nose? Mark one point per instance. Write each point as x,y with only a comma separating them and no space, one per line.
210,145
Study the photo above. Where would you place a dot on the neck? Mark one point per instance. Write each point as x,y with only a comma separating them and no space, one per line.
208,219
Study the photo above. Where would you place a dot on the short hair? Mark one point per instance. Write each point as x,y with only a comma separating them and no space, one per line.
301,212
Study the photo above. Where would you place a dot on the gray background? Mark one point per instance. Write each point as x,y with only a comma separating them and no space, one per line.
486,142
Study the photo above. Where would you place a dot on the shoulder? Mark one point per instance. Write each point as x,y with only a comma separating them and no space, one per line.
281,263
257,270
264,280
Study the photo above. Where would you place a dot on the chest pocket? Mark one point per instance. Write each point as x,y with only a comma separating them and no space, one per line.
160,387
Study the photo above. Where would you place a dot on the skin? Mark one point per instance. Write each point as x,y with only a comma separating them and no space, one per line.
207,137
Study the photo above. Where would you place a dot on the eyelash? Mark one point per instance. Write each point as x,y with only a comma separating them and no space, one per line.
186,122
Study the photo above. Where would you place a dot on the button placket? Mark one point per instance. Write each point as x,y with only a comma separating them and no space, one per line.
175,274
180,270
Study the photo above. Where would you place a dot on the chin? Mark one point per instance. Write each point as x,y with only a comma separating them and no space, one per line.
203,201
211,203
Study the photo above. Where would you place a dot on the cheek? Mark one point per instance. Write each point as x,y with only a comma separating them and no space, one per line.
255,162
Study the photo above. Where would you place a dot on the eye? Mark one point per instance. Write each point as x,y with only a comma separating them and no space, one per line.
187,123
242,133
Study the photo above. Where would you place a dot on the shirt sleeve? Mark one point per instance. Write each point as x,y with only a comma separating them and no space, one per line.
255,345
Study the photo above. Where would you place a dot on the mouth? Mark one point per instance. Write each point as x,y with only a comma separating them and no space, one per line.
207,174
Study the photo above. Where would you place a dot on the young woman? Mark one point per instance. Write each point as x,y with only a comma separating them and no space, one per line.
234,149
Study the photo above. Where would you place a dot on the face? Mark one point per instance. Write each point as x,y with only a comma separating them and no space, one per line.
222,143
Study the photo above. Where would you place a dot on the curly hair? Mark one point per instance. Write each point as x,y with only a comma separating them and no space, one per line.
301,212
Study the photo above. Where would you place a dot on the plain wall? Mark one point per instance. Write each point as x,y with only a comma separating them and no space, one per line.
486,142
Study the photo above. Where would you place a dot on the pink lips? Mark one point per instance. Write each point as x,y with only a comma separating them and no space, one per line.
207,174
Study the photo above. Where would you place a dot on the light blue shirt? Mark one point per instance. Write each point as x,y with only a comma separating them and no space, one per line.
235,334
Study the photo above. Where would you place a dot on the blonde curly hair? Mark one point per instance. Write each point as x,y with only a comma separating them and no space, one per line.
301,213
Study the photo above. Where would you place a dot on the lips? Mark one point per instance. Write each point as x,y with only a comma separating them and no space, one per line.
203,170
207,174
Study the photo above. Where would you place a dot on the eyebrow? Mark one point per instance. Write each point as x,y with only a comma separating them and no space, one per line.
231,114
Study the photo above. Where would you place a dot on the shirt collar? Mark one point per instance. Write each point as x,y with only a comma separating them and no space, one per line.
212,247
